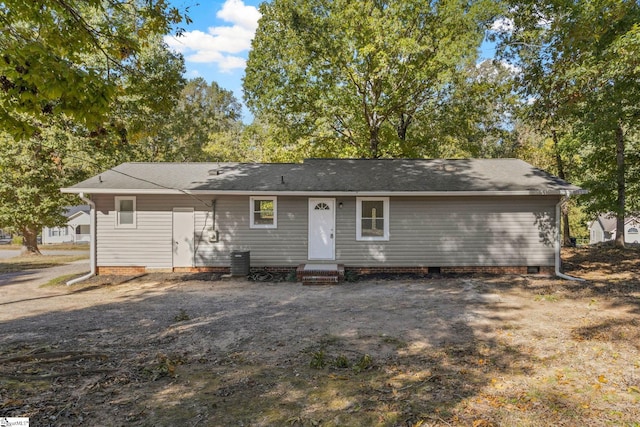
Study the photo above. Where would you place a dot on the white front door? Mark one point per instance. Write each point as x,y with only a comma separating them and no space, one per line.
183,244
322,220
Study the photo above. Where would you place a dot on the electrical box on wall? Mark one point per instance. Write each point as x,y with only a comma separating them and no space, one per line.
213,235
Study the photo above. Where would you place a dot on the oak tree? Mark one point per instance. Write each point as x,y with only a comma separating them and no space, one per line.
579,62
352,77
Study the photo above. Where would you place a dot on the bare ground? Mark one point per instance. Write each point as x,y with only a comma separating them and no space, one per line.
188,350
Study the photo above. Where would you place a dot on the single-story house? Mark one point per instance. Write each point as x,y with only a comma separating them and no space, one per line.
77,229
467,215
5,237
603,229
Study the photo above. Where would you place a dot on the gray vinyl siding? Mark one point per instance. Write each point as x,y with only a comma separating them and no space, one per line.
424,231
282,246
150,244
448,231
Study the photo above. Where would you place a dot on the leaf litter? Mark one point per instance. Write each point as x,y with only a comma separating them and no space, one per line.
473,350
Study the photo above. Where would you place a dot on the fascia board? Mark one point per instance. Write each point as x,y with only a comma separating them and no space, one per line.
73,190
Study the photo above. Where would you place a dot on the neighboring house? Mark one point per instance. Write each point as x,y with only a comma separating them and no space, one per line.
492,215
5,238
603,229
76,231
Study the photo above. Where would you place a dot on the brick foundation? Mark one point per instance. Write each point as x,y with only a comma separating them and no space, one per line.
221,270
135,270
281,269
121,271
543,270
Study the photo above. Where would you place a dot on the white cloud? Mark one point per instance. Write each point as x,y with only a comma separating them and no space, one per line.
230,63
502,25
237,12
490,69
222,45
513,69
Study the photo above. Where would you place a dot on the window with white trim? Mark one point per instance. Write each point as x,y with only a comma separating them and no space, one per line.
372,218
125,211
633,230
58,231
264,212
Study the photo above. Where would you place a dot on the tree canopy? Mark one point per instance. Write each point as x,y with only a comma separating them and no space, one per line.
579,64
78,82
61,56
352,77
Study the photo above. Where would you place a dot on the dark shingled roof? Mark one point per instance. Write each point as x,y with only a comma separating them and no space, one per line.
70,211
330,175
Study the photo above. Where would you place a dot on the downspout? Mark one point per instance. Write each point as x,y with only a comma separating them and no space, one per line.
92,242
557,246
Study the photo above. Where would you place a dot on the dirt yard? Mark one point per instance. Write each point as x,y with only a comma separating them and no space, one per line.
467,350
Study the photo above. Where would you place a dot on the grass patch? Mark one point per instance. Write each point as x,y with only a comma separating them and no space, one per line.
547,298
59,281
52,247
397,343
182,316
65,247
32,262
10,247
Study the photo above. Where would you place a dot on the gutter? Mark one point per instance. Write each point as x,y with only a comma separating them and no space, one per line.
323,193
92,242
557,246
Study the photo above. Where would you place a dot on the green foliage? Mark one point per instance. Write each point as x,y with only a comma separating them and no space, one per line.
475,117
341,362
84,85
579,62
45,46
351,78
163,366
318,360
351,276
206,117
364,362
182,316
31,174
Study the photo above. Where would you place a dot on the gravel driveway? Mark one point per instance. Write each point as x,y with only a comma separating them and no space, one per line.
27,282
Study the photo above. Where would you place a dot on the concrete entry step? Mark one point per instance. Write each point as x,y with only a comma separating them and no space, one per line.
320,274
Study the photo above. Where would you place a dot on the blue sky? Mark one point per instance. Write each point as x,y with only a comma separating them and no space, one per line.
215,46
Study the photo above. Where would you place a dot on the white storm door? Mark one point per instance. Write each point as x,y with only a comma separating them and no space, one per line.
322,221
183,247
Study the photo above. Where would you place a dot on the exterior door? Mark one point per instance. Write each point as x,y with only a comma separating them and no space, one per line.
322,220
183,244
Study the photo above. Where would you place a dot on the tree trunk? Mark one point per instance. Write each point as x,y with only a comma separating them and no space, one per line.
30,241
620,182
374,141
566,231
403,125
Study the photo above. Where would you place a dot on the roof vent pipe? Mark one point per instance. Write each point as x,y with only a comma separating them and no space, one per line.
282,179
